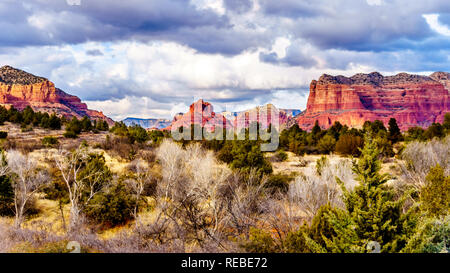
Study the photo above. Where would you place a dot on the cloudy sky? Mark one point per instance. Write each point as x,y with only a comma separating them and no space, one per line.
152,58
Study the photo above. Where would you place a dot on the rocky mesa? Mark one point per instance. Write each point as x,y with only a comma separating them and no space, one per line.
21,89
413,100
201,112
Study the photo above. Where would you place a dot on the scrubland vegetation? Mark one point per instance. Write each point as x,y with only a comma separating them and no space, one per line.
346,190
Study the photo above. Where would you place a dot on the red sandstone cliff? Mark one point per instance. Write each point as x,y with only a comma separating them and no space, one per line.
412,100
202,112
21,89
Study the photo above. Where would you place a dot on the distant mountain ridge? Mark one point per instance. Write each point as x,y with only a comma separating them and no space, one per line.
147,123
21,89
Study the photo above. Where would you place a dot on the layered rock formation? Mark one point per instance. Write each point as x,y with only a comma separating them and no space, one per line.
412,100
21,89
201,112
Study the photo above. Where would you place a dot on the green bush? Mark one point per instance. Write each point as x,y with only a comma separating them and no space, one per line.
112,207
281,156
278,182
73,128
349,145
415,133
432,236
50,141
70,134
260,241
3,134
6,196
435,195
321,163
327,144
137,134
435,130
395,135
384,145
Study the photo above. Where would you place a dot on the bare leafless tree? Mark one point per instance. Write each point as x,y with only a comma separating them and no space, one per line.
27,180
190,192
81,188
311,191
137,181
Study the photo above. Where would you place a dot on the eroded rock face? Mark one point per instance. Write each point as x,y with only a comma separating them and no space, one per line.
21,89
412,100
202,112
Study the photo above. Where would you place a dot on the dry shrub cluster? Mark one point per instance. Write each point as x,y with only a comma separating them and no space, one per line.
311,191
420,157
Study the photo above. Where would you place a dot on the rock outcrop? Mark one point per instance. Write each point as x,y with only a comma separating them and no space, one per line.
21,89
201,112
413,100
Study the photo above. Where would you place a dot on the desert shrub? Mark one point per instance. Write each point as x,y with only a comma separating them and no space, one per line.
6,196
432,236
420,157
395,135
245,156
435,130
349,145
157,136
201,191
311,191
313,238
86,124
3,134
384,145
137,134
70,134
26,128
321,163
73,128
111,207
415,133
50,141
297,242
277,183
260,241
280,156
435,195
446,123
54,122
374,128
101,125
49,247
327,144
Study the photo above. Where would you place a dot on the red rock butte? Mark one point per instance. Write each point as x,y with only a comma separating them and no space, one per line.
413,100
21,89
202,113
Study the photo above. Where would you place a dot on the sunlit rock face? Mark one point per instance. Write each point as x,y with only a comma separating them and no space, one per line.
202,113
412,100
21,89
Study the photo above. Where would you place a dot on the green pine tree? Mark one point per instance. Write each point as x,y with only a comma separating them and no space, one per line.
372,212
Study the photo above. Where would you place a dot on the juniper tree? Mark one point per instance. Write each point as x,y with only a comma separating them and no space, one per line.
372,211
395,134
